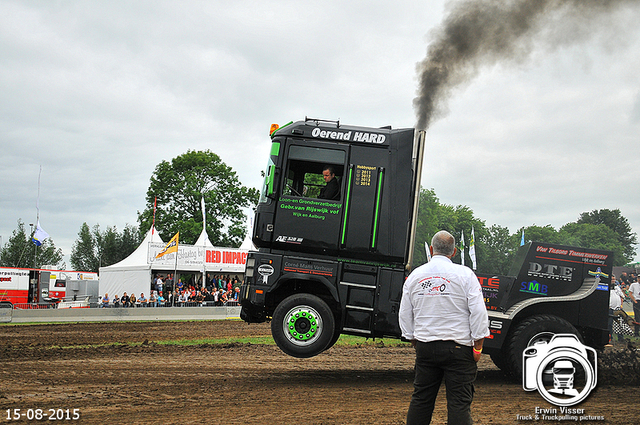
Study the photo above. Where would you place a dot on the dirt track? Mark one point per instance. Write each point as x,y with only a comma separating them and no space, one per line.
65,367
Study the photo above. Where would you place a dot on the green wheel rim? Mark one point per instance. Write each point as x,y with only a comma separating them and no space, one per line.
302,325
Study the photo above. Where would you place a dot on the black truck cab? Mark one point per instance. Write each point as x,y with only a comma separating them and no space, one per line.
342,252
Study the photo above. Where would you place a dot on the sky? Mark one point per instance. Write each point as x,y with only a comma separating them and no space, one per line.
95,94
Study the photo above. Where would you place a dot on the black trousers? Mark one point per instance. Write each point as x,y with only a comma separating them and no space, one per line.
436,361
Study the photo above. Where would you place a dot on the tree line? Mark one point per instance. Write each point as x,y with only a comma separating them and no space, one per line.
178,188
496,247
97,248
20,251
174,201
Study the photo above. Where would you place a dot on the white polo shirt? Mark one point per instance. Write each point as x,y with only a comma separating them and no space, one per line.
634,288
615,297
443,301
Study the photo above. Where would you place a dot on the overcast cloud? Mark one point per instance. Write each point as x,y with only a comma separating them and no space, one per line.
99,92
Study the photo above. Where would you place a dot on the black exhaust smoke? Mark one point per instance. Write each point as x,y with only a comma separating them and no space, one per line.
480,33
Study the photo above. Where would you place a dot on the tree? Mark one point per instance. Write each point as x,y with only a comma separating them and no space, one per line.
546,234
499,250
178,187
130,239
434,216
426,224
108,246
20,251
615,221
95,248
83,253
595,236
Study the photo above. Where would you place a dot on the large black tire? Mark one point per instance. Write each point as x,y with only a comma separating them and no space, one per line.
500,360
336,334
303,325
527,332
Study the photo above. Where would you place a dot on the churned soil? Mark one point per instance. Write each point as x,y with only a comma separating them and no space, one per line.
117,373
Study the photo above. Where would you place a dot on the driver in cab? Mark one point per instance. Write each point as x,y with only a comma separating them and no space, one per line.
332,189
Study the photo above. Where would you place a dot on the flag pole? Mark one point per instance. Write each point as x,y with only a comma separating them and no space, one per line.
35,250
462,247
153,223
472,249
175,271
170,248
204,243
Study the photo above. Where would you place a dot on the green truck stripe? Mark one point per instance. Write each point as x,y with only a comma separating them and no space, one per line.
346,206
375,217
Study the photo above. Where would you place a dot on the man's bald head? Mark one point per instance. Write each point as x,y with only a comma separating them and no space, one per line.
443,243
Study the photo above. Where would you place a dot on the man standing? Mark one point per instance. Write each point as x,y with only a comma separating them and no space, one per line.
332,189
443,314
616,298
159,284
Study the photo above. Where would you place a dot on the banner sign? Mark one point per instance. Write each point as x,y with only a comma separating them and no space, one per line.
192,257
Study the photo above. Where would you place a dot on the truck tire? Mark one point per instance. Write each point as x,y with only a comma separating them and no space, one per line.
336,334
500,360
527,332
302,325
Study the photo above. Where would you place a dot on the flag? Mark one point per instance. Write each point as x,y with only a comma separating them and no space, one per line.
172,246
472,248
522,239
428,251
39,235
462,247
204,216
153,225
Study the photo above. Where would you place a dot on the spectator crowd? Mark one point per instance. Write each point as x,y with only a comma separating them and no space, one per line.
219,290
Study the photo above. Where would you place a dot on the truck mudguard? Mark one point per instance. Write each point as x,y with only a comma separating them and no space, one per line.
552,288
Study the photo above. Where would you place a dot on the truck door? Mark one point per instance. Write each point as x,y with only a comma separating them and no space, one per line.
364,192
302,218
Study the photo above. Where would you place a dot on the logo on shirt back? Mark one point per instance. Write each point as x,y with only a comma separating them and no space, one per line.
434,285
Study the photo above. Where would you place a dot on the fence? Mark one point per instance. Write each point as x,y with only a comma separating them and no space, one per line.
33,306
177,304
121,314
6,312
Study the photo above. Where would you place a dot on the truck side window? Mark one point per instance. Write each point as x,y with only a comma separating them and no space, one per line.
267,186
304,170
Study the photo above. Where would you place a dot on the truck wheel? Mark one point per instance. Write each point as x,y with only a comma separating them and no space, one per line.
336,335
500,360
302,325
529,331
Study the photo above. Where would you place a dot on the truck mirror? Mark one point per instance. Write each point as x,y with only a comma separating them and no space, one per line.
272,171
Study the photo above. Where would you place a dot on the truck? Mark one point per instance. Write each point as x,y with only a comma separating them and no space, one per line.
46,287
326,267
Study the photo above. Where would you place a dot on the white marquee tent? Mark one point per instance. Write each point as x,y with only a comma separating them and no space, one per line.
134,274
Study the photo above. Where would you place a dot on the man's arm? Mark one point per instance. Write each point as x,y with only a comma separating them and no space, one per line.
477,349
405,315
478,317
